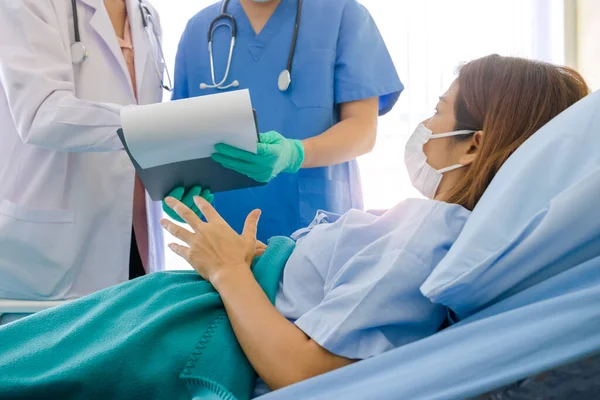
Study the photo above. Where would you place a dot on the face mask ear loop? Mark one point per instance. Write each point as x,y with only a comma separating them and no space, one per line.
450,168
449,134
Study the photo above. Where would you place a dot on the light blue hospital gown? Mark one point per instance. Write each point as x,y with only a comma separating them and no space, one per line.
352,283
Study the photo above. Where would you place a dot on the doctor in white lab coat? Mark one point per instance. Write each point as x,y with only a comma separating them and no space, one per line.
66,184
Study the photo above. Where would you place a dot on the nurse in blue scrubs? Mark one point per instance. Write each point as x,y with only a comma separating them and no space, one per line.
342,78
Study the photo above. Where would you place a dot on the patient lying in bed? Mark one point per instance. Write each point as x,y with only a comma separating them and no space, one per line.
350,289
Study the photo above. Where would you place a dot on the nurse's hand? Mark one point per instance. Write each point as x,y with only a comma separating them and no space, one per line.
187,199
275,154
213,248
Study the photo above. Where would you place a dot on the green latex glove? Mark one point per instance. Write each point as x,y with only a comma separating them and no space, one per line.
187,199
275,154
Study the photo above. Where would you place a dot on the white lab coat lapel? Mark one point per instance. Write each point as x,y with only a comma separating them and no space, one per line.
140,42
101,23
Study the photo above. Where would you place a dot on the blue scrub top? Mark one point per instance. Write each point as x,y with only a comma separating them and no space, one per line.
340,57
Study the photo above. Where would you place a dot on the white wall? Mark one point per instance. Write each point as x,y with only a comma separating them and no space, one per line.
588,41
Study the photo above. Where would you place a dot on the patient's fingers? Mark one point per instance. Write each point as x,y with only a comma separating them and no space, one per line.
208,210
177,231
184,212
259,251
182,251
251,225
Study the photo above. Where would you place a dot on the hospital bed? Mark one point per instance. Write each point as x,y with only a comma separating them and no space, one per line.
26,306
578,380
507,346
522,285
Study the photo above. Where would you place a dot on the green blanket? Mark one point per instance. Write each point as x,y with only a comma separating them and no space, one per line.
164,336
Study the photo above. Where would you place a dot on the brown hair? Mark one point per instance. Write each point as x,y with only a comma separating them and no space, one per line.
509,99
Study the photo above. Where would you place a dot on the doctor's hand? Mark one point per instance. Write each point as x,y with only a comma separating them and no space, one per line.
187,199
275,154
213,248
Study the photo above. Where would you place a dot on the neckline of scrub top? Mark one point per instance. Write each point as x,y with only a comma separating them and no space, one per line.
257,43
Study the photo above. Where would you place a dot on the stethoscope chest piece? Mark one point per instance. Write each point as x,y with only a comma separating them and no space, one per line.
79,53
284,80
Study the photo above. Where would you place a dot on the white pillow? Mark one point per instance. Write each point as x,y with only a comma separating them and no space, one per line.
539,216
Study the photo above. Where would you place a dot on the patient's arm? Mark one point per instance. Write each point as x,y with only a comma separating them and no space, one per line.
280,353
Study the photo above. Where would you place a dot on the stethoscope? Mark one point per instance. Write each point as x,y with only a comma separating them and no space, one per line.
285,77
79,53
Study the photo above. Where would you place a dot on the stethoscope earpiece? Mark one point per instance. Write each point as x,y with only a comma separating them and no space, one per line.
204,86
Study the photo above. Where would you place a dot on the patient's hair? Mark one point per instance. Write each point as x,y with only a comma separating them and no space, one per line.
509,99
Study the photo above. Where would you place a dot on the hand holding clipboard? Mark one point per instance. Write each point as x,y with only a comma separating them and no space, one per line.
170,144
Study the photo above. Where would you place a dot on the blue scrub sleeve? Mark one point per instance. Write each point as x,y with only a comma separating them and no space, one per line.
180,85
364,67
373,305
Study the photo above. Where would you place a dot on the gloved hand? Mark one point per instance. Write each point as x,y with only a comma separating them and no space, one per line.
275,154
187,199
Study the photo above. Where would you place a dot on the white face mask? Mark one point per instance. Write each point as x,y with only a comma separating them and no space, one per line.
423,176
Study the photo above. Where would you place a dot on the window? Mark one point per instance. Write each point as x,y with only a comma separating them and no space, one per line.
428,40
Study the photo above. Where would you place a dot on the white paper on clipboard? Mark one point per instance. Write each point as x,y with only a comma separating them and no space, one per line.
188,129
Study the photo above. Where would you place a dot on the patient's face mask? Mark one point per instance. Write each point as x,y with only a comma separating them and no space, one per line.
423,176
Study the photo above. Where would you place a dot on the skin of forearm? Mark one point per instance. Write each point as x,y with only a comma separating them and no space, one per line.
279,351
352,137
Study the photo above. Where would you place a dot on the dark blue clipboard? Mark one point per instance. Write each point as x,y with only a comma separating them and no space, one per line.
161,180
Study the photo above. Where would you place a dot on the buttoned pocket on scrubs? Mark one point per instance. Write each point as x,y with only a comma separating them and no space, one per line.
313,79
36,249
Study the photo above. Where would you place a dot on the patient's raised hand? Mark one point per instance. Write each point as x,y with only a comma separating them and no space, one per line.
213,248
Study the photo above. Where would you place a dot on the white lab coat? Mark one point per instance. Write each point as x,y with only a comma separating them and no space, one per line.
66,185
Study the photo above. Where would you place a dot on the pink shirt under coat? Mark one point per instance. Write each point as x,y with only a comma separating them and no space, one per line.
140,223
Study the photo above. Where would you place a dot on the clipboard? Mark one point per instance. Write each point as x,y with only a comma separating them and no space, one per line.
161,180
